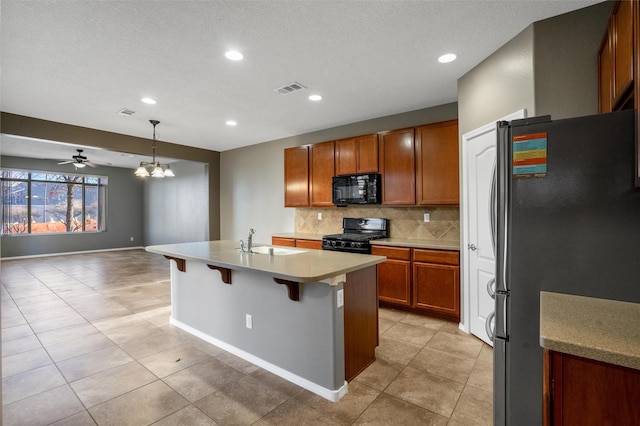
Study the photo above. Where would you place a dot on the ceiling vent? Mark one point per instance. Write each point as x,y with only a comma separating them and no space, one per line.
290,88
126,112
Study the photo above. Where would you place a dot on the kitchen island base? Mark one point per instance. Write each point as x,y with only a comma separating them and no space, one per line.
252,315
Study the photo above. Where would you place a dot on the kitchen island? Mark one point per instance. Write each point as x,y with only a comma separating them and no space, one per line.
309,316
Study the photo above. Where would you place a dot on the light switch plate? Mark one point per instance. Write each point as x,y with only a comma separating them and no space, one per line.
319,216
340,298
427,217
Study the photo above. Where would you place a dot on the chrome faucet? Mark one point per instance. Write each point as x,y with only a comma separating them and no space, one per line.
249,242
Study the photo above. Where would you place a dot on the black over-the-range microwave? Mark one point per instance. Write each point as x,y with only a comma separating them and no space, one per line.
357,189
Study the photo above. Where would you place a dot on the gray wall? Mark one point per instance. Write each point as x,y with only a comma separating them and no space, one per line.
20,125
566,61
252,178
501,84
176,210
124,215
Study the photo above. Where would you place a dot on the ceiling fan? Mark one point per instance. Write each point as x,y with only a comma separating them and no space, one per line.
80,161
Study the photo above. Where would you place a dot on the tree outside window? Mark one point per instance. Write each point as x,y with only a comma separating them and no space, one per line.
41,202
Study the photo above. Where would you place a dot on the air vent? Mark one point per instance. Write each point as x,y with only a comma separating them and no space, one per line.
126,112
290,88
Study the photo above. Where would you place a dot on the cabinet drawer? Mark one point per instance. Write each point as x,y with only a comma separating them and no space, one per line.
445,257
399,253
310,244
278,241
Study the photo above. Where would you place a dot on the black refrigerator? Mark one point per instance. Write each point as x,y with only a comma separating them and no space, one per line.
568,221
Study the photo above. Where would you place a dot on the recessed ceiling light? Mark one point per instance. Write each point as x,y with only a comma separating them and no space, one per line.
231,123
449,57
315,98
234,55
149,101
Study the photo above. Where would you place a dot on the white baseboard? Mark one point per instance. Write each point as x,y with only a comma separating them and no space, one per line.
72,252
331,395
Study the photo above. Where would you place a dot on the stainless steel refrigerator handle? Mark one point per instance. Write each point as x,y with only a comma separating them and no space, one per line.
487,326
492,206
490,288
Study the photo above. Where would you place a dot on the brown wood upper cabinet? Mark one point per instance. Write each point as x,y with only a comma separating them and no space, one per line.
622,22
296,176
437,164
357,155
321,170
397,166
616,60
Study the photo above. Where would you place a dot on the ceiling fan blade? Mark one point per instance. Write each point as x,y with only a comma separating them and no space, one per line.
67,162
90,164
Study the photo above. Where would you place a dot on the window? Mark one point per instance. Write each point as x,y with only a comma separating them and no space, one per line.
46,202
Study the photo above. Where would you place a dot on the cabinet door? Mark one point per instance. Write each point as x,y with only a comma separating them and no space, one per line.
437,167
394,275
346,156
367,154
322,169
605,75
436,288
309,244
588,392
397,166
622,21
278,241
296,177
636,87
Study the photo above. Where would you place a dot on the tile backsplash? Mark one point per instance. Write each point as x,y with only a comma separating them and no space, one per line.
406,222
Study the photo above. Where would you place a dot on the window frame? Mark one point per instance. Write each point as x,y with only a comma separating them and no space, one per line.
101,184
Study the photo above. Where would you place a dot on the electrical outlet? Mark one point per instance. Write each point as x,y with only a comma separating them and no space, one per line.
319,216
340,298
427,217
248,319
130,238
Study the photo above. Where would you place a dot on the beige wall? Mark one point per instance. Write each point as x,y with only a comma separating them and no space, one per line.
252,178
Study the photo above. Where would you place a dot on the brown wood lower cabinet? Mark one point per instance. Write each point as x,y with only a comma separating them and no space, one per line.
360,321
580,391
293,242
436,281
310,244
287,242
394,275
420,279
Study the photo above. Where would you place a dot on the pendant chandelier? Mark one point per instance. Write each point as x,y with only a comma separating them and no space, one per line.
157,170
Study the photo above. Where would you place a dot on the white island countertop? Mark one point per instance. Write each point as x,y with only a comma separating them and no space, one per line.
598,329
300,265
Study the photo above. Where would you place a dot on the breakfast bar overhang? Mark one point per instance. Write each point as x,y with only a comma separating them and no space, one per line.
308,316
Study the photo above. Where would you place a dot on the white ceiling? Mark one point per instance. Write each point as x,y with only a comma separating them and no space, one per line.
80,62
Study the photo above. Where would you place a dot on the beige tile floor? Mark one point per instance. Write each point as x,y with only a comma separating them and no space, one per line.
86,340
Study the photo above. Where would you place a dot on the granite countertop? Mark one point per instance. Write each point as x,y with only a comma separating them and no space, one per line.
598,329
426,244
305,265
401,242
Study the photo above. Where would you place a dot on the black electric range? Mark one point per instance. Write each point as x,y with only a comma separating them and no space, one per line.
357,234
